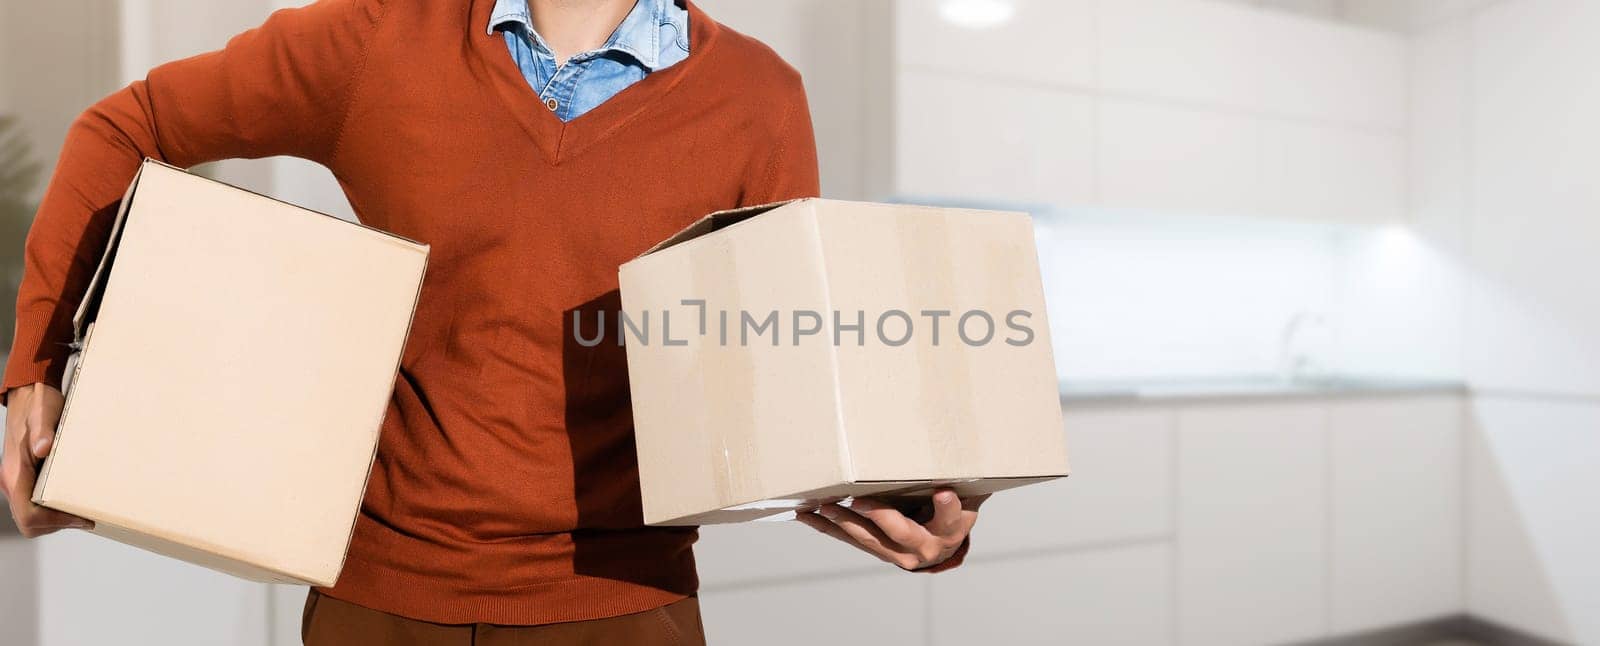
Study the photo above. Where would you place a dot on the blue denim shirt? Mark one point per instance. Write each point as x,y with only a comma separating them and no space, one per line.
653,36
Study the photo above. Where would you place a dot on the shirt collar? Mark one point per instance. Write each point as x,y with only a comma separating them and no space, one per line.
638,36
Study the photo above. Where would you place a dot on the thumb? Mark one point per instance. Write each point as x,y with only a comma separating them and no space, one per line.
40,439
43,413
946,513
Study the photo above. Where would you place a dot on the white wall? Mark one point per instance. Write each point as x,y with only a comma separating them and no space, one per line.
1534,197
81,36
1532,520
1502,124
96,591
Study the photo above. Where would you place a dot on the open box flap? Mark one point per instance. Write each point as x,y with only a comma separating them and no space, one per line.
90,305
91,297
715,221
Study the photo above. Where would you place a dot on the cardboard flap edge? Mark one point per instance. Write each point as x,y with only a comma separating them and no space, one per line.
715,221
97,283
184,543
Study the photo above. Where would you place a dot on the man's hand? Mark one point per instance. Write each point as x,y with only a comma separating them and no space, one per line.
31,418
914,542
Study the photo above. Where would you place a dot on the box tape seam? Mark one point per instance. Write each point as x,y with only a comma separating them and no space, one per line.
846,460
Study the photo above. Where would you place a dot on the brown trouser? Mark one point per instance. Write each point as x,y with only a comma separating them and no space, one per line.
331,622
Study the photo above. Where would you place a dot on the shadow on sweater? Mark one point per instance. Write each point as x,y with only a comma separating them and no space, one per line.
611,540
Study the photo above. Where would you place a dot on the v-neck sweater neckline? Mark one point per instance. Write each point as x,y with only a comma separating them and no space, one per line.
562,140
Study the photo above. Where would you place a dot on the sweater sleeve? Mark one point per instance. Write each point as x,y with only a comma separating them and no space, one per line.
790,168
280,89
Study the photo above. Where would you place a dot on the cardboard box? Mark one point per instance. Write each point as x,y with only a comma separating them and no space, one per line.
790,354
237,358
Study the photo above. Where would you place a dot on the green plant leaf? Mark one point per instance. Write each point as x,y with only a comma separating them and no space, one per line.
19,174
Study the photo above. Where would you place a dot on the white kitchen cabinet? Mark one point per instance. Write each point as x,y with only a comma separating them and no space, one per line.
1170,105
883,608
1175,158
1319,172
1184,159
1439,168
980,140
1120,489
1104,597
1330,72
1050,41
1176,105
742,553
96,591
1252,523
1240,58
1183,51
1395,535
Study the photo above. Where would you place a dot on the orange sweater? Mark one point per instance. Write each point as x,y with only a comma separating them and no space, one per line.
505,488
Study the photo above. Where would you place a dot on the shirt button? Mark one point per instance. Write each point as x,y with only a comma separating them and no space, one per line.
552,104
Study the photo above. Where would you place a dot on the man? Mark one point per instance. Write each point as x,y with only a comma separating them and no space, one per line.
536,146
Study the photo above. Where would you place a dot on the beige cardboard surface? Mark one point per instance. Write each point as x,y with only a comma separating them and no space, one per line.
950,409
721,425
236,369
693,405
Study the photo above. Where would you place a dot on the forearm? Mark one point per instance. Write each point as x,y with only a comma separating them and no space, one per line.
101,152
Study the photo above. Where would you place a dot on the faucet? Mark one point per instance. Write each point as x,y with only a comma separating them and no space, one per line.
1294,362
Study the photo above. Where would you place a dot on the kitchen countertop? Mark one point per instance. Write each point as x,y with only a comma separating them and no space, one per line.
1075,392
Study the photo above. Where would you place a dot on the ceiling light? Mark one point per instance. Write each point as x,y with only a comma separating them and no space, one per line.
977,14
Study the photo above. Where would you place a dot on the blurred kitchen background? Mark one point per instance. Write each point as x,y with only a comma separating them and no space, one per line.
1322,288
